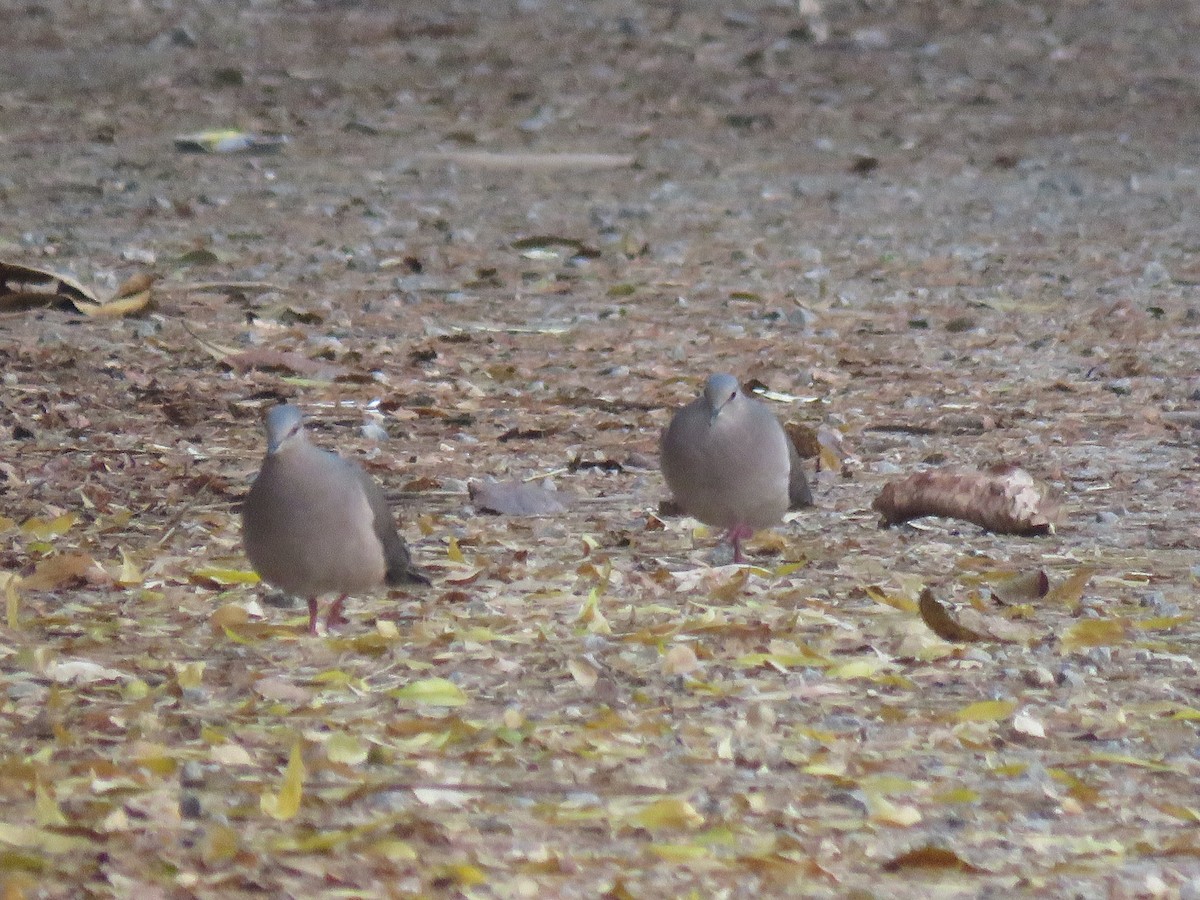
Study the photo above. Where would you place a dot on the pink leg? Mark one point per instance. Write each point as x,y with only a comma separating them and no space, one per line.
312,615
335,617
737,534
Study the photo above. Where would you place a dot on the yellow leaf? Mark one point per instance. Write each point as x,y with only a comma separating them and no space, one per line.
957,795
1124,759
881,809
286,803
12,600
219,845
679,852
228,616
189,676
591,616
986,711
1186,713
46,841
453,553
387,629
1161,623
346,748
781,661
315,842
130,573
584,673
1095,633
886,784
463,874
1186,813
1070,591
46,811
887,598
395,849
669,812
788,568
44,529
121,306
859,668
223,577
1010,770
432,692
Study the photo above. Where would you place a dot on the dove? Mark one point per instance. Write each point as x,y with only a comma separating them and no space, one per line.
729,463
314,523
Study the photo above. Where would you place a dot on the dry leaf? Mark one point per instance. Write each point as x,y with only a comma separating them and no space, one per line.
584,673
283,361
1003,499
680,660
515,498
940,622
80,671
64,570
285,804
23,286
276,688
931,857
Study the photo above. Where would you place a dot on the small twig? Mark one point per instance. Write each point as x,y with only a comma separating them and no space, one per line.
231,286
173,523
542,788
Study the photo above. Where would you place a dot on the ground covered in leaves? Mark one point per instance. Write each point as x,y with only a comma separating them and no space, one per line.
504,240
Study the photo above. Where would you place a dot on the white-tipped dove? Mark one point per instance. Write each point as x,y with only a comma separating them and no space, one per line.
314,523
729,463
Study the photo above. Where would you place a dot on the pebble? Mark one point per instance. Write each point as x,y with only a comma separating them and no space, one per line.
1155,274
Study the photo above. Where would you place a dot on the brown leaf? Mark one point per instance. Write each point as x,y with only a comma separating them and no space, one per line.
1069,592
1003,499
938,618
21,284
515,498
804,439
1021,587
283,360
27,286
931,857
275,688
67,569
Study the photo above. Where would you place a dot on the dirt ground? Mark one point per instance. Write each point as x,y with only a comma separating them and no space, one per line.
514,236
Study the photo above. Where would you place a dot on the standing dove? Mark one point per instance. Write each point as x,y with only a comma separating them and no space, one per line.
314,523
729,463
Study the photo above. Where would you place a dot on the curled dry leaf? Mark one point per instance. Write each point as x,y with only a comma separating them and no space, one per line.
940,622
680,660
275,688
1003,499
283,361
514,498
804,439
970,624
1021,587
67,569
80,671
931,857
1026,724
23,286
